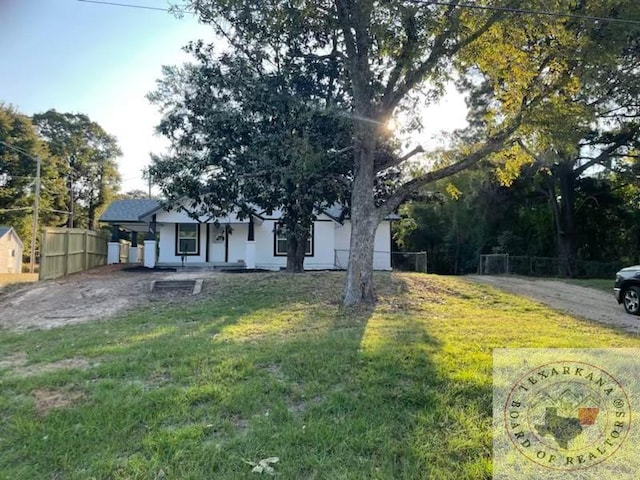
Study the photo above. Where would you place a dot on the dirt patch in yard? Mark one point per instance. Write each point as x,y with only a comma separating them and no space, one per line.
17,364
93,295
47,400
579,301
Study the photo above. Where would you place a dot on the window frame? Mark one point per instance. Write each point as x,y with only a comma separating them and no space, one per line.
178,238
311,241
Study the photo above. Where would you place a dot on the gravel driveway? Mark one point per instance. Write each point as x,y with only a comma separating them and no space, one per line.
583,302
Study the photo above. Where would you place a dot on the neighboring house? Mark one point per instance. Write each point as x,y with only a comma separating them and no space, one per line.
10,251
252,242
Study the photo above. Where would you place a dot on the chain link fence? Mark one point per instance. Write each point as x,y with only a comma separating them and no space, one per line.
409,261
502,263
404,261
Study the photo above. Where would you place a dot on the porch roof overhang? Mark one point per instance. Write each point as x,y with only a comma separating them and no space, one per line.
132,226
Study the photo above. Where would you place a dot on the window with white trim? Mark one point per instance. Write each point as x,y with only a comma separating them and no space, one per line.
187,239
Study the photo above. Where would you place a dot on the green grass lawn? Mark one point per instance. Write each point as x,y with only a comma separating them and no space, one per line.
266,365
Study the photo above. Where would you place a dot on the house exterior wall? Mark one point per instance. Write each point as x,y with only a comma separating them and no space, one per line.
323,251
381,245
167,245
238,242
330,242
10,254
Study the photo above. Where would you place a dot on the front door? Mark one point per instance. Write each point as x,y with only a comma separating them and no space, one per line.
217,243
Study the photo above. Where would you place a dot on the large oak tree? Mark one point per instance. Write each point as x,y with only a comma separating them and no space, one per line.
392,52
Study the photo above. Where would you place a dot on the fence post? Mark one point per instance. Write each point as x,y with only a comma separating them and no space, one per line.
425,261
43,246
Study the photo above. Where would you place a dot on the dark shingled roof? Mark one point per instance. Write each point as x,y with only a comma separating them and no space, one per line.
4,230
129,210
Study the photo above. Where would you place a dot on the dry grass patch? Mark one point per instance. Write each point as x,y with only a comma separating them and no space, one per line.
17,364
8,278
47,400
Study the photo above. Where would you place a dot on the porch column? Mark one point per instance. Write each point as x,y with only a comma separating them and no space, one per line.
149,253
250,253
149,260
113,249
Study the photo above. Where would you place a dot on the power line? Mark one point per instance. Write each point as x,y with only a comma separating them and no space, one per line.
518,11
18,149
526,11
131,5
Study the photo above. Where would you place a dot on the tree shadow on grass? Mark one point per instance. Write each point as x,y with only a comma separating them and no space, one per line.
269,367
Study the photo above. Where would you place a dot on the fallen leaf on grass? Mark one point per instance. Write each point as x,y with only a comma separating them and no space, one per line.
263,466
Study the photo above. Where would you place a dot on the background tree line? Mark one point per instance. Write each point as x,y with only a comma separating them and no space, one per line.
483,215
79,175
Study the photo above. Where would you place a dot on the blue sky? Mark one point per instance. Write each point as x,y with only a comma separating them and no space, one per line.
95,59
102,60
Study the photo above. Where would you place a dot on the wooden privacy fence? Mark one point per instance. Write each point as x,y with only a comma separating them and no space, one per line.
71,250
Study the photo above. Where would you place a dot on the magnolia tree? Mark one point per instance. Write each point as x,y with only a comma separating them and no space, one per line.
249,131
392,55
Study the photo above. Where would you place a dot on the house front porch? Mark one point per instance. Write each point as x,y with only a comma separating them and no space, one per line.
204,266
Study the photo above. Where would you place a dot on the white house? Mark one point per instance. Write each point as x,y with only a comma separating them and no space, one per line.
10,251
174,238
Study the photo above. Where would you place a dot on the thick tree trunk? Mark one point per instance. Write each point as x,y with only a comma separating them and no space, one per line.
92,216
563,208
295,254
364,222
567,246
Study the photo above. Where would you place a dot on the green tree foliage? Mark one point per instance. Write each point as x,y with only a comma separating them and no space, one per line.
393,52
592,122
134,194
488,216
18,152
253,129
87,156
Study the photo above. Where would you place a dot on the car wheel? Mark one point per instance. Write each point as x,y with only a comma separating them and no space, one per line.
631,300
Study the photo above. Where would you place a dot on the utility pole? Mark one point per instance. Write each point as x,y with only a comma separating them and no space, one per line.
71,202
34,225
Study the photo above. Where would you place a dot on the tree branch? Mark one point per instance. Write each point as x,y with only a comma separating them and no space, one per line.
393,161
493,144
392,97
619,140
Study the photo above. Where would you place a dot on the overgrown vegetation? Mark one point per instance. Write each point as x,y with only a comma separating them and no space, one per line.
486,216
269,365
